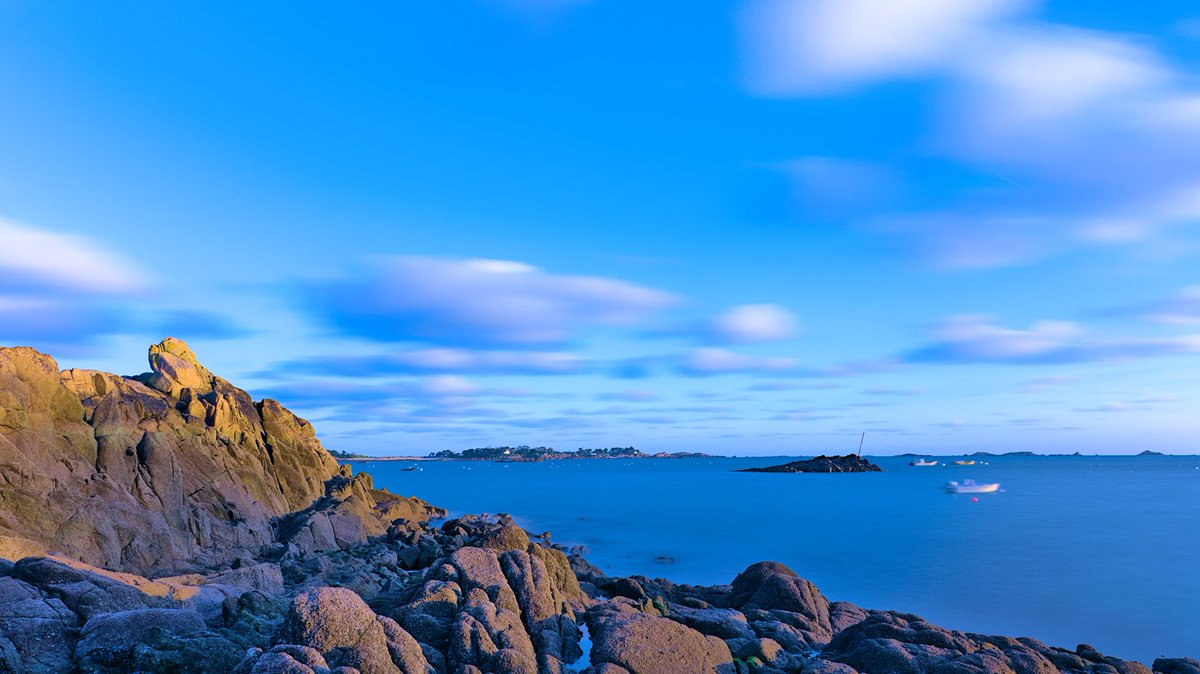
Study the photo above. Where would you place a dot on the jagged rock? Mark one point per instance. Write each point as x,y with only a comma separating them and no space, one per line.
649,645
171,471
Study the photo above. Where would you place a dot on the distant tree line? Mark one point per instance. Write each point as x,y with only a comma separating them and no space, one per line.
342,454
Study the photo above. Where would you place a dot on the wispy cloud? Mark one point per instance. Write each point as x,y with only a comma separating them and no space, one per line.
712,361
1102,149
59,291
481,302
437,360
976,339
37,258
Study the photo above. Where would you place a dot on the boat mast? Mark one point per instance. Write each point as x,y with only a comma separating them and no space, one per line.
860,441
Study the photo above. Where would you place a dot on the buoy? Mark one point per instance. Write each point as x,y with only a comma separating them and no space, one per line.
974,499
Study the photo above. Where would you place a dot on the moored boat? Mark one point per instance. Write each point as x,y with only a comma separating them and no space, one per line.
922,462
972,487
967,462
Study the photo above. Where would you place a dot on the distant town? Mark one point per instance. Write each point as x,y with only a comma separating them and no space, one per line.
526,453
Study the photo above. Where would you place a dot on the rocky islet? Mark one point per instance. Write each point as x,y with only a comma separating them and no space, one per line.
169,523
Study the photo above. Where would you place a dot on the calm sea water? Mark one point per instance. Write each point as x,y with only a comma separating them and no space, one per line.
1099,550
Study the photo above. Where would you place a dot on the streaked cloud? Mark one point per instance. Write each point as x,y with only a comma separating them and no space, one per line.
476,302
713,361
977,339
1100,150
37,258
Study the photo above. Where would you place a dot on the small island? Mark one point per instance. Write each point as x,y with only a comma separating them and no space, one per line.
850,463
525,453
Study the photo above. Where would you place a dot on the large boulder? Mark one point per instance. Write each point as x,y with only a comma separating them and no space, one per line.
773,587
339,624
649,645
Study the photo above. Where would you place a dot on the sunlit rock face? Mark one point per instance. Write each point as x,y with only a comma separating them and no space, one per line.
168,470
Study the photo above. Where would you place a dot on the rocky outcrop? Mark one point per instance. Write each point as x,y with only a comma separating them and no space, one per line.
169,470
849,463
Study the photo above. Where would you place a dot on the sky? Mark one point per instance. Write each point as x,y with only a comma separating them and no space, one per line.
755,227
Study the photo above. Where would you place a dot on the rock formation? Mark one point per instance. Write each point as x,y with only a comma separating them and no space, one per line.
849,463
167,470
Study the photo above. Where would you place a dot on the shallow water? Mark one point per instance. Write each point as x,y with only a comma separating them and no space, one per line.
1099,550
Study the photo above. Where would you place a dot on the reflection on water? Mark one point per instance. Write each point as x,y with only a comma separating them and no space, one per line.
1102,550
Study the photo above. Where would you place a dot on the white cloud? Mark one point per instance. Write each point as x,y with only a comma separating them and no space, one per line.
975,339
1182,309
751,323
1093,137
814,46
721,361
448,385
486,302
36,257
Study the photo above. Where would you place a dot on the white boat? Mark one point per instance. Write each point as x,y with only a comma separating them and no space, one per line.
922,462
972,487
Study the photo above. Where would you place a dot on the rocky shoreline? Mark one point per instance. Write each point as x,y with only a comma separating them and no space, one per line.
169,523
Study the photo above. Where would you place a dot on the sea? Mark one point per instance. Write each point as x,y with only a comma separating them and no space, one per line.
1103,550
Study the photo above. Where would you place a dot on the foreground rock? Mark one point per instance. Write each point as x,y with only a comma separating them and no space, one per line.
168,470
849,463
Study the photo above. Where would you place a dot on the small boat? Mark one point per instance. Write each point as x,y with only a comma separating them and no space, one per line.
922,462
972,487
970,462
410,469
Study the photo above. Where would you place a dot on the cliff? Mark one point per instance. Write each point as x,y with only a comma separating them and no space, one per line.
171,469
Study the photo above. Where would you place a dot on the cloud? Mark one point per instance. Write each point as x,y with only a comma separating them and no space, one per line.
481,302
819,46
60,291
975,339
752,323
712,361
1182,309
1102,149
439,360
36,258
633,396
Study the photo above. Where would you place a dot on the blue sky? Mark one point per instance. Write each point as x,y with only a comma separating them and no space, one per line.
752,227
